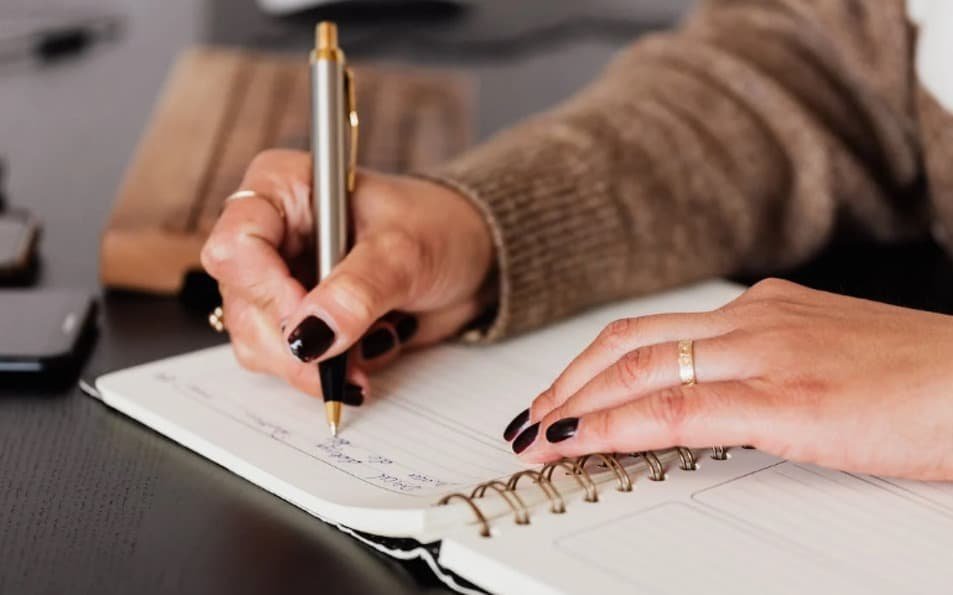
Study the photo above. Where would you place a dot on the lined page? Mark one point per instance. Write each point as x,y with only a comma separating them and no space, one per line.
851,522
432,426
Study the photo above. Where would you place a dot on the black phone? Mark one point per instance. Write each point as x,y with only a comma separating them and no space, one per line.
44,332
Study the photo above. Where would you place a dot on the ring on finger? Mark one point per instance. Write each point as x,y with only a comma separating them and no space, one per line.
686,362
246,194
216,319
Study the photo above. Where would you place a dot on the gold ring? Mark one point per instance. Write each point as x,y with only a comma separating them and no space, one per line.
686,362
243,194
216,319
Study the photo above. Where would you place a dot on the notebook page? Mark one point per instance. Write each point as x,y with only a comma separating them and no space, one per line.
433,425
754,524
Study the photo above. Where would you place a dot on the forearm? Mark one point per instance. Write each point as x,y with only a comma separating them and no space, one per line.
728,145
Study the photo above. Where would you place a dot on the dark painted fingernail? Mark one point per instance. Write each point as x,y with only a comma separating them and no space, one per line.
406,328
353,395
310,339
563,429
516,425
528,436
377,343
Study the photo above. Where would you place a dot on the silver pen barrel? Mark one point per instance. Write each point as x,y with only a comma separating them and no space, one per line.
328,149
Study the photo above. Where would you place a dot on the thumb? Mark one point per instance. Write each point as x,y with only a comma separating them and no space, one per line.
694,416
377,276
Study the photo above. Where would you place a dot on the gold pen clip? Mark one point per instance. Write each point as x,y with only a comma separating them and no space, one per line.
354,126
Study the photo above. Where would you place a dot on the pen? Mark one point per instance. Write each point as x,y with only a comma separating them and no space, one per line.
333,163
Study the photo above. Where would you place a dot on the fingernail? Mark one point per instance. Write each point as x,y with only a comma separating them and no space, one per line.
310,339
528,436
377,343
516,425
563,429
353,395
406,328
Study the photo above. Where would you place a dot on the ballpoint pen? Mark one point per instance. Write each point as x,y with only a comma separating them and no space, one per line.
333,163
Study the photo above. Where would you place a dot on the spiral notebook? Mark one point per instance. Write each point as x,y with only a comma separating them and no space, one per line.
421,471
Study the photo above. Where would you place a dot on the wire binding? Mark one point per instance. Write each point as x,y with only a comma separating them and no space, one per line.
520,512
656,469
687,459
484,526
625,482
576,468
556,503
592,494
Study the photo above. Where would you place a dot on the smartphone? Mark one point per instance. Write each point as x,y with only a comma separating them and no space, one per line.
18,237
44,332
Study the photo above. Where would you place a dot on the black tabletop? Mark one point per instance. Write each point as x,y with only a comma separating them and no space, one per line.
93,502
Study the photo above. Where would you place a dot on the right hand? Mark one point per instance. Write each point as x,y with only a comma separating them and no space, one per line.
421,255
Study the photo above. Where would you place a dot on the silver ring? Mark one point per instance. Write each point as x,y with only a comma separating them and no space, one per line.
245,194
686,362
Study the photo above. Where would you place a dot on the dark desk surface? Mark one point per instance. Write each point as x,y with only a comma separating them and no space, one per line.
92,502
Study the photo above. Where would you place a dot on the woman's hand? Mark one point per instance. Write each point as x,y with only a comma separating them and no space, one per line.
420,257
805,375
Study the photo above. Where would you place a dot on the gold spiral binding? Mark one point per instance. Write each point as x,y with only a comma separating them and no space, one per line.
686,458
592,494
520,512
576,468
484,526
656,469
625,482
556,503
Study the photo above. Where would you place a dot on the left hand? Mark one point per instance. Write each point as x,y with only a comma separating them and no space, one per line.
806,375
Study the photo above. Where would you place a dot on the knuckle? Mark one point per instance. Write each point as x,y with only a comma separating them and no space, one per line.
770,286
405,257
357,294
216,253
669,409
601,429
618,333
545,403
265,159
631,368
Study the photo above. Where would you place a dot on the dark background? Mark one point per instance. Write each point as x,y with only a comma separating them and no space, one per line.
92,502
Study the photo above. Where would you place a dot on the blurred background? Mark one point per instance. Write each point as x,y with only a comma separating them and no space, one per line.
68,126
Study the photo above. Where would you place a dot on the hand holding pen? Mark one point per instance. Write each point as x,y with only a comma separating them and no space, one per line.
420,255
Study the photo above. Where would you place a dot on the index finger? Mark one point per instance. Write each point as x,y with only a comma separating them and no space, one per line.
243,251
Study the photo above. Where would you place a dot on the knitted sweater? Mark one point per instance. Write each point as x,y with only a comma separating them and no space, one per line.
739,143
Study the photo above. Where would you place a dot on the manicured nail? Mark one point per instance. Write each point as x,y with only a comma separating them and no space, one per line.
528,436
516,425
406,328
310,339
563,429
377,343
353,395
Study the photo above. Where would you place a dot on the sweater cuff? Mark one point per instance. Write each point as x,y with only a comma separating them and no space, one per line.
542,225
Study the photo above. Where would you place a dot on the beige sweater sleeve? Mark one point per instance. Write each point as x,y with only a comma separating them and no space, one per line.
737,143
